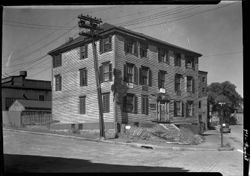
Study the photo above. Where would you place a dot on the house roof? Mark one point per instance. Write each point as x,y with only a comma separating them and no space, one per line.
13,82
32,104
107,29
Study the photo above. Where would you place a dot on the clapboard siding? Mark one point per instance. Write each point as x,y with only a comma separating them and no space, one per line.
152,62
65,106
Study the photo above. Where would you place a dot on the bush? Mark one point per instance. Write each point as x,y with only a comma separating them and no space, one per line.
233,120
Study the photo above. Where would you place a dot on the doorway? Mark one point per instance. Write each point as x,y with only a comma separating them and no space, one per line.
163,111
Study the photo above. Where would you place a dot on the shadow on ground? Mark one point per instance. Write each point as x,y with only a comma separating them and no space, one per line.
29,163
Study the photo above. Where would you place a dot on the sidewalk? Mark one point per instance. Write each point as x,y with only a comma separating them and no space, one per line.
211,144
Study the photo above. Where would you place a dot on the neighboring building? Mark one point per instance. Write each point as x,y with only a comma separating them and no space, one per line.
20,88
29,112
155,80
202,100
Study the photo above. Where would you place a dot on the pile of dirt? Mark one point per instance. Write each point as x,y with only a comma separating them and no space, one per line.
162,133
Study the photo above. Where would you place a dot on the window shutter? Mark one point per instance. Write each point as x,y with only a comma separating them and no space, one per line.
167,56
101,73
124,103
86,77
125,73
187,104
135,75
140,76
193,85
125,46
81,77
135,104
110,72
136,49
53,62
86,51
159,54
183,109
110,41
146,105
142,104
101,46
175,83
159,74
150,77
60,82
175,110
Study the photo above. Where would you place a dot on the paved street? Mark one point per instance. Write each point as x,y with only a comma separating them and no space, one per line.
43,153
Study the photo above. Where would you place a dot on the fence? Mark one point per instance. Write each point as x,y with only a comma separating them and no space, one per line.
36,117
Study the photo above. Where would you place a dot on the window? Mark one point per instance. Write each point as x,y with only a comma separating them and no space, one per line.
105,102
143,50
203,79
177,59
83,77
199,104
189,62
41,97
161,78
106,44
178,83
145,76
144,104
163,55
131,47
58,81
57,61
106,72
190,108
130,103
8,102
82,105
190,84
130,73
203,90
178,109
84,51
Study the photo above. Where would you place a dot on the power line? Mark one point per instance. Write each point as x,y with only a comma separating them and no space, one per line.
184,17
34,27
220,54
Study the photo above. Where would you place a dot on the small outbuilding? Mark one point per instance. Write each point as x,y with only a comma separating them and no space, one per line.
30,112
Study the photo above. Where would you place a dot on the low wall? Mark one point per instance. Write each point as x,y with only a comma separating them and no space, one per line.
11,118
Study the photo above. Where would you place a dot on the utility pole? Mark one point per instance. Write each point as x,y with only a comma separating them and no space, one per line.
221,119
92,25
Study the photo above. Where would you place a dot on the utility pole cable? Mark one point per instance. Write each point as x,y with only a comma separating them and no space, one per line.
93,25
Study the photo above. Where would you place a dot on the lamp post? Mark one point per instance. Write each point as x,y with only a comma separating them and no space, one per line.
221,118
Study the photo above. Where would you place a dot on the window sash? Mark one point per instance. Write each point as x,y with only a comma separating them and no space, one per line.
106,102
178,108
189,84
190,109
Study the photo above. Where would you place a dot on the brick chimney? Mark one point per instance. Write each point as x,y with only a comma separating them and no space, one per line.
23,74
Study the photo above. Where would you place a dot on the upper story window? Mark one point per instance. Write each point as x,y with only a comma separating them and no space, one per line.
83,77
163,55
106,44
143,49
130,73
204,79
58,82
190,84
177,59
130,46
161,78
145,76
189,62
57,61
106,72
178,83
130,103
84,51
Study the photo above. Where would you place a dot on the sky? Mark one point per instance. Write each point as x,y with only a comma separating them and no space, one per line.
215,31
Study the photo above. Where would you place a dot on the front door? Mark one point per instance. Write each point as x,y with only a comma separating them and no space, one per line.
163,108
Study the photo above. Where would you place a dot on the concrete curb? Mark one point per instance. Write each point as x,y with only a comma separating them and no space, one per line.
137,145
